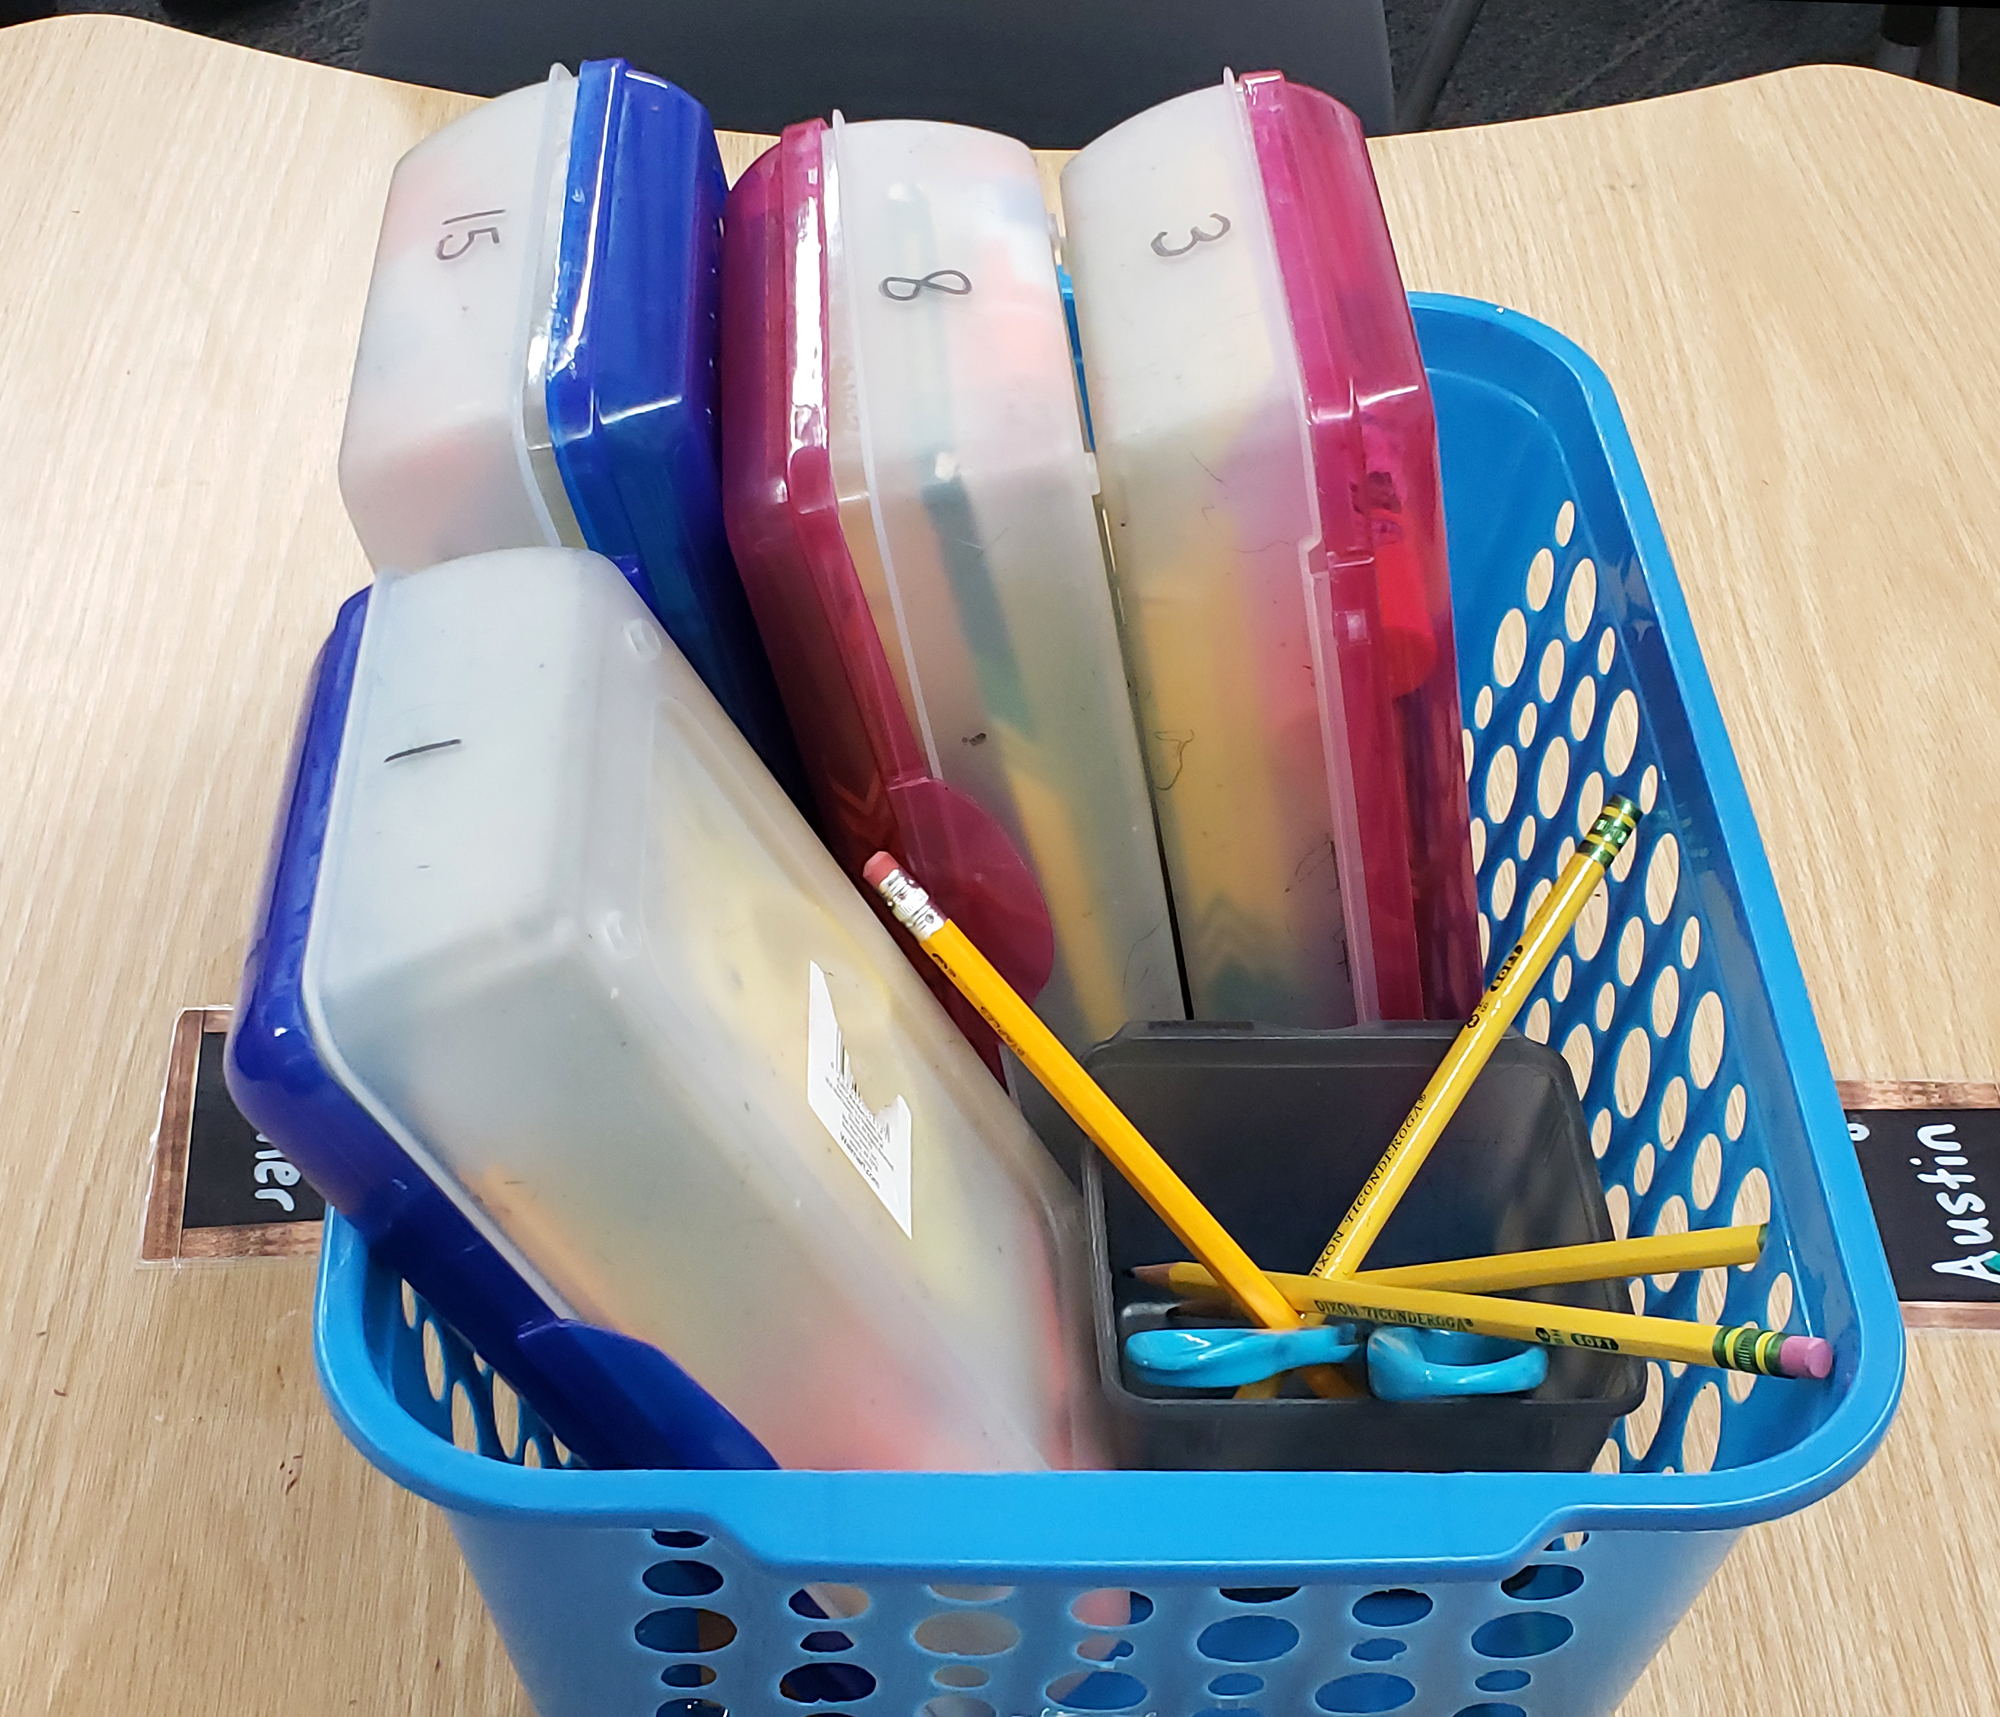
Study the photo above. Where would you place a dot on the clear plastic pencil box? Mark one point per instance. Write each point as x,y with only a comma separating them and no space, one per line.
537,360
1265,437
560,1002
910,498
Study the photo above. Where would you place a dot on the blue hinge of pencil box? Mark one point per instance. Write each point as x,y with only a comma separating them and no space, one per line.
614,1400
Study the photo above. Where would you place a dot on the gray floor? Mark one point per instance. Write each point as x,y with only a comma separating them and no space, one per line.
1524,57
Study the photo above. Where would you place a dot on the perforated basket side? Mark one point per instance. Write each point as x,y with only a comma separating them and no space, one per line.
678,1621
1577,683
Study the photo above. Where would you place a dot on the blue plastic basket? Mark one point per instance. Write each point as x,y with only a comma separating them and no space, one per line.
623,1594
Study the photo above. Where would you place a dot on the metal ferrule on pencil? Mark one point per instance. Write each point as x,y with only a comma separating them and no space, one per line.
1612,830
911,905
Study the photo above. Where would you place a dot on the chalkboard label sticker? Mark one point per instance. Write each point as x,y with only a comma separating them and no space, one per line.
219,1189
1930,1153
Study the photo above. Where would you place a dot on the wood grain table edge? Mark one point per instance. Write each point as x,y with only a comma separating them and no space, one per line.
1918,1093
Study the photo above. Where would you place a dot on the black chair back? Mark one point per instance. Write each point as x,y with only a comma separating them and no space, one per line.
1050,72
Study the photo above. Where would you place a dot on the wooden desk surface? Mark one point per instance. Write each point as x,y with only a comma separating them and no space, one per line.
1790,282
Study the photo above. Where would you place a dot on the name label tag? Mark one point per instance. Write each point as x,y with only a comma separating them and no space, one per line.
219,1189
1930,1153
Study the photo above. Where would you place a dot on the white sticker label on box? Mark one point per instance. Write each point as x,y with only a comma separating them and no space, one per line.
877,1145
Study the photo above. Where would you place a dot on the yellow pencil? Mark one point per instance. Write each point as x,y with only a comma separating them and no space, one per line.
1597,1261
1770,1353
1470,1051
1101,1119
1044,1056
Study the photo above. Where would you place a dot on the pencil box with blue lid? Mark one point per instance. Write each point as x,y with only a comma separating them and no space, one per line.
616,1402
557,998
537,361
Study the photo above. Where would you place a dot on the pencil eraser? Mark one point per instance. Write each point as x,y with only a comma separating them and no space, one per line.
878,870
1806,1356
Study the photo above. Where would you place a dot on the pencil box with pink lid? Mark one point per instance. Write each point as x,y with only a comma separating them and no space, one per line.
910,500
974,609
1268,450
